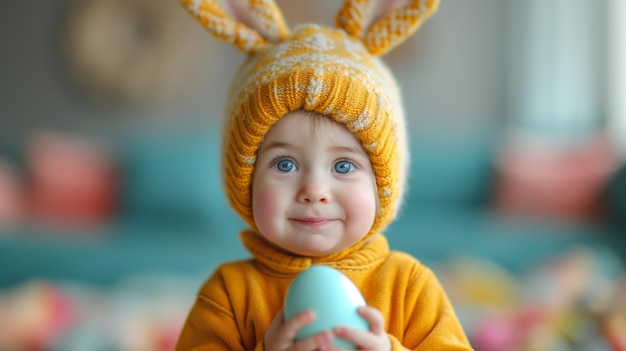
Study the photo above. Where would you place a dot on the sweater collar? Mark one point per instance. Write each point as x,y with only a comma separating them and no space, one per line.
277,261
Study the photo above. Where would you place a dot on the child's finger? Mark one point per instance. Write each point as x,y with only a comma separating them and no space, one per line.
364,339
372,339
297,322
319,341
375,319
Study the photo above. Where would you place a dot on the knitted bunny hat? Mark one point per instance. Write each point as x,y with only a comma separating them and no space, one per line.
335,72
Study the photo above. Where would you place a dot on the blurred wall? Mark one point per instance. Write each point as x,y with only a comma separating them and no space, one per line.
452,71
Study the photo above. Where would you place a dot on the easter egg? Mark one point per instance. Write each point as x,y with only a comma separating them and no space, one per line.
333,298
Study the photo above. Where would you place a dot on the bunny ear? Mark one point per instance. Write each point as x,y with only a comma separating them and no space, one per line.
248,24
383,24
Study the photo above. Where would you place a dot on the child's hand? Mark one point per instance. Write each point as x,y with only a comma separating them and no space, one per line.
280,334
375,339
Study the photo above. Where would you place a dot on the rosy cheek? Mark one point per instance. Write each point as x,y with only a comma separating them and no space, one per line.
365,203
264,206
267,198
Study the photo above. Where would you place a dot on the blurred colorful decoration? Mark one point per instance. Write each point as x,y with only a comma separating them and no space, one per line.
613,322
34,316
566,183
70,179
144,313
575,301
127,51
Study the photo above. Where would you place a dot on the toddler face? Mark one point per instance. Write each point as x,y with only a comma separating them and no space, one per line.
313,190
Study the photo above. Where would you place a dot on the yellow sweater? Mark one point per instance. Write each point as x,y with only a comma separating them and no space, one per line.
238,302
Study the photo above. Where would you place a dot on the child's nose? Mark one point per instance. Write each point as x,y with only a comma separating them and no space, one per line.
314,190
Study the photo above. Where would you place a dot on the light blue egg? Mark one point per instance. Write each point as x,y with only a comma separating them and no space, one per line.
332,296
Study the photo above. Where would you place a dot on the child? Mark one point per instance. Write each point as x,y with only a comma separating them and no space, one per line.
315,161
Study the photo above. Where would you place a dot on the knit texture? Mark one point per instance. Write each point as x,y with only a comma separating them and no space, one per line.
236,305
334,72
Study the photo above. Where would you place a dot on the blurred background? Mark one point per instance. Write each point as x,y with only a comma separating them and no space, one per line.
111,208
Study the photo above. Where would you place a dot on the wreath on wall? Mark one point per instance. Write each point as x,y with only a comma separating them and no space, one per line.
127,51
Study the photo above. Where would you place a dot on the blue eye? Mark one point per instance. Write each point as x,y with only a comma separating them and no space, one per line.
344,167
285,165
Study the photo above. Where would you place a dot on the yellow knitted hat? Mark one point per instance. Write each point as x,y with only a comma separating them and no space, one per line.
331,71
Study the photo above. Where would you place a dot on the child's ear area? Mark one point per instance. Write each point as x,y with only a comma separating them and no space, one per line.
248,24
383,24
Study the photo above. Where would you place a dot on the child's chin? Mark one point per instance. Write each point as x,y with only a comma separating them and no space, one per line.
312,252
